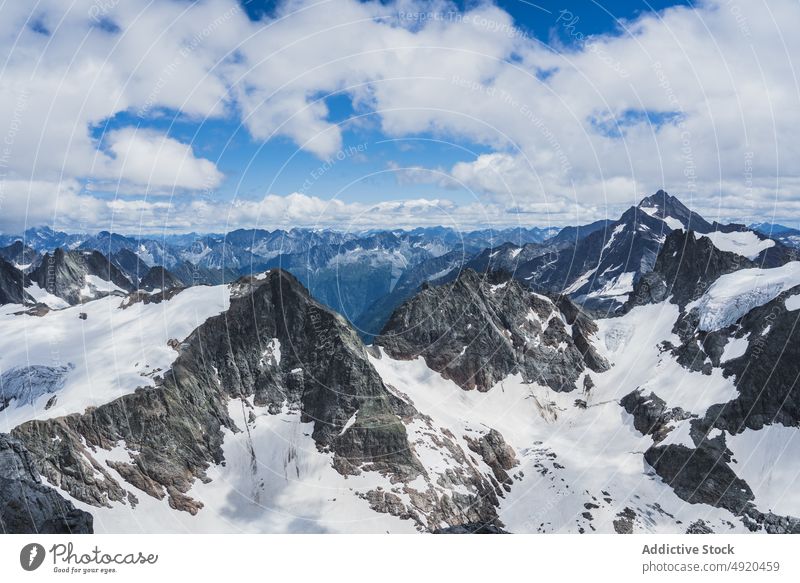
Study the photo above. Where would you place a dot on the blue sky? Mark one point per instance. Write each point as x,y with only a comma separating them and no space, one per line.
256,168
213,114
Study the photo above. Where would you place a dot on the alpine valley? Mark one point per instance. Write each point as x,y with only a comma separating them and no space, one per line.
637,375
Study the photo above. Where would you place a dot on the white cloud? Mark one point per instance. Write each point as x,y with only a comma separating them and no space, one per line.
719,85
161,163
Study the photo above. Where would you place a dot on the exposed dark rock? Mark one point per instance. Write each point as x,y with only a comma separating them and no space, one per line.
651,415
700,475
11,284
63,273
767,374
189,408
685,268
496,453
27,506
699,526
478,330
624,521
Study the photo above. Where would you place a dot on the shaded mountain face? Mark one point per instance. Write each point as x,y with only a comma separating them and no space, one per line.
275,356
130,264
77,276
28,506
738,322
159,278
434,270
685,269
11,284
571,235
189,274
20,255
479,330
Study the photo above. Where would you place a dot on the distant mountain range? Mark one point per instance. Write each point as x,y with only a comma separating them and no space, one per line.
490,400
366,276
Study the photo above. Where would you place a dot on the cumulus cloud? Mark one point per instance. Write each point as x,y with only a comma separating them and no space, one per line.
700,100
145,157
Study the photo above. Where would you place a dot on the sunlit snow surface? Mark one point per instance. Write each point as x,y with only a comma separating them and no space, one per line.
733,295
579,467
744,243
110,353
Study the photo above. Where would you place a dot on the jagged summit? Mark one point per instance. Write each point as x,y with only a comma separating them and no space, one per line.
77,276
479,329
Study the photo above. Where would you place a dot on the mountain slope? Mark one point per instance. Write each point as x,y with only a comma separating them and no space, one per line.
276,362
77,276
11,284
478,331
27,506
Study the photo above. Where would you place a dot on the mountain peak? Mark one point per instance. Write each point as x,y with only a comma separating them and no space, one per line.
664,202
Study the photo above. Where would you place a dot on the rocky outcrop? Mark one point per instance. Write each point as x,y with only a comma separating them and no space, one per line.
27,506
478,330
20,255
64,273
651,416
767,374
176,427
700,475
130,264
159,278
686,267
11,284
275,348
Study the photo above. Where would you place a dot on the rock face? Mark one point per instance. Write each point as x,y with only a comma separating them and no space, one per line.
684,270
599,270
159,278
765,371
477,331
374,318
64,274
276,349
650,414
27,506
130,264
20,254
11,284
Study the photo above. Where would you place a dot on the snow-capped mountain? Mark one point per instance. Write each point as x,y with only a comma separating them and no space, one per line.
21,256
75,277
483,406
598,265
786,235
